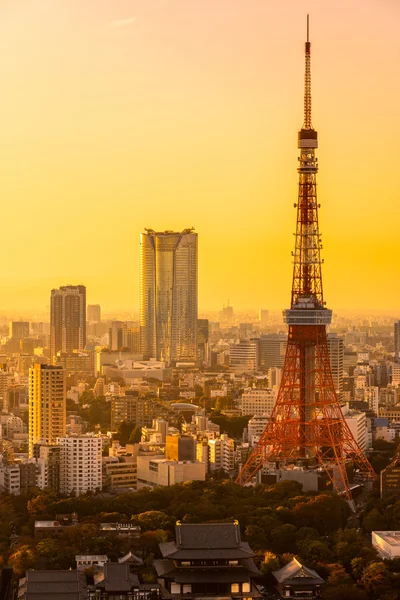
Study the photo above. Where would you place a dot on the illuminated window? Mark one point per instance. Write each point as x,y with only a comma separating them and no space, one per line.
246,587
234,588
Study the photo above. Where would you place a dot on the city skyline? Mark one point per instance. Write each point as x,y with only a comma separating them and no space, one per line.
205,120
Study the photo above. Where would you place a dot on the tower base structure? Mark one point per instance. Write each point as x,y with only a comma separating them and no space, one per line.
307,438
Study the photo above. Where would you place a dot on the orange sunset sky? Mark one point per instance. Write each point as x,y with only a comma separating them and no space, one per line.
117,115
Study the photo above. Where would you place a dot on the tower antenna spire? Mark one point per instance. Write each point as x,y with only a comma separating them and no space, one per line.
307,80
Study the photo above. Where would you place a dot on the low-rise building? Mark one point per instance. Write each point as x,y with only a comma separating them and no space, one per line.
258,402
390,479
154,472
295,580
387,543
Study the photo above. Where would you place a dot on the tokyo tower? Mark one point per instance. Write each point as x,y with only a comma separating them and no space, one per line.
307,430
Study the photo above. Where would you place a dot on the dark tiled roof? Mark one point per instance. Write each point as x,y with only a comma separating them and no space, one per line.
118,578
295,572
213,541
213,535
55,585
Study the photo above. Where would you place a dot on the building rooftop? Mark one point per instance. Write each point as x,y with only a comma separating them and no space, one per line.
210,540
53,585
390,537
295,572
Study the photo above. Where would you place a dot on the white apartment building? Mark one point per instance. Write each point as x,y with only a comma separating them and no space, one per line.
255,429
80,464
336,356
371,395
274,377
357,422
243,357
222,453
395,370
258,402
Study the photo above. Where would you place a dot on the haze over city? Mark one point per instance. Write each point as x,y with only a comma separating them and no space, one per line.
122,115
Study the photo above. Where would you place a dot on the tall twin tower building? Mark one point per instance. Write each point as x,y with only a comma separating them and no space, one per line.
168,295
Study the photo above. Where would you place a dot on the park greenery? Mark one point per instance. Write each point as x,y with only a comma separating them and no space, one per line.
278,521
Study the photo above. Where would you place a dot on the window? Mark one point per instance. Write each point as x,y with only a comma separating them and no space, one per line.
232,563
175,588
185,563
187,588
234,588
246,587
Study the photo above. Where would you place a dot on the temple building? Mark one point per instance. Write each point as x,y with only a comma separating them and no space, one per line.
295,580
207,559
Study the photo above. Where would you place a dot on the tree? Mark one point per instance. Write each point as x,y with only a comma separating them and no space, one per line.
344,592
21,560
376,579
283,538
270,563
136,435
374,521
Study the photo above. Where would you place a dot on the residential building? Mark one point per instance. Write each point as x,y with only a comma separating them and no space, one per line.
243,356
80,464
357,423
274,377
76,362
120,473
207,561
255,428
131,408
371,395
48,460
47,404
168,295
258,402
336,355
222,454
67,319
180,447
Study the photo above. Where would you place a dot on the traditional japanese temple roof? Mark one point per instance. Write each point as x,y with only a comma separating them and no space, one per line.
294,572
207,541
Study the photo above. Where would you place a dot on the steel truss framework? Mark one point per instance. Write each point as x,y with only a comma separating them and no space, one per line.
307,426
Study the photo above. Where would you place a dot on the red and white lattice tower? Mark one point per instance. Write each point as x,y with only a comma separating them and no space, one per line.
307,428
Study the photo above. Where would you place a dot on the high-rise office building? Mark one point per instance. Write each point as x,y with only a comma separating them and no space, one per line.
94,313
202,341
336,355
397,341
272,348
19,330
168,295
67,319
47,404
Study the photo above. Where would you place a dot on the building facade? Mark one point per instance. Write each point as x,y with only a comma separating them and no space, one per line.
47,404
168,295
336,355
80,464
67,319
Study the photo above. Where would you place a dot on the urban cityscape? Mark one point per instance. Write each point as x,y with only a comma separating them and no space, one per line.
169,448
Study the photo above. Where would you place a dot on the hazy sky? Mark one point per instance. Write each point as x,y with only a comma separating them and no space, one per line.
117,115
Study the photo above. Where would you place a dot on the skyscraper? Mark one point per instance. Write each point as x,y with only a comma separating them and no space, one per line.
397,341
47,404
336,355
94,313
67,319
168,295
